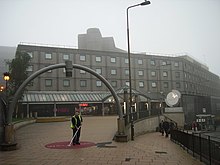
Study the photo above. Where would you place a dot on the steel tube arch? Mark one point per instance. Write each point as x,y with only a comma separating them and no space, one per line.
56,66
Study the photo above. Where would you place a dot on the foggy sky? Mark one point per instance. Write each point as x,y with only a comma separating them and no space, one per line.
174,27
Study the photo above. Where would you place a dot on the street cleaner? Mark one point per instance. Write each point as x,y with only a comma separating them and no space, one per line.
76,123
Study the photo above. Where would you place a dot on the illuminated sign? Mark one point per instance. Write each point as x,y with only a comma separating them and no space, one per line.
83,105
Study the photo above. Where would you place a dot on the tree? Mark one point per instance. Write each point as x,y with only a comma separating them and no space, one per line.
18,70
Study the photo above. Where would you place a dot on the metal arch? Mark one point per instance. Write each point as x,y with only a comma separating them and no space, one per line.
56,66
24,84
108,85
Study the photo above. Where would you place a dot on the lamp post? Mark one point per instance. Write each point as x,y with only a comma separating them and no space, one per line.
6,78
129,64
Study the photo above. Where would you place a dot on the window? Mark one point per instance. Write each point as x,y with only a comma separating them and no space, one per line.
177,74
48,56
30,54
98,70
82,83
140,62
82,58
141,84
98,59
66,57
165,74
164,63
126,71
82,72
140,72
177,84
153,84
48,82
49,71
165,84
176,64
113,72
30,68
98,83
113,59
152,62
66,83
64,70
127,83
153,73
186,85
126,61
114,83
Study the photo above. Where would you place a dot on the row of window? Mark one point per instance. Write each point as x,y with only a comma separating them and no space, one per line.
83,83
114,72
48,56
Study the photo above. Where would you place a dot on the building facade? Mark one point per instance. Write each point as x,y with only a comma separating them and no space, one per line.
153,75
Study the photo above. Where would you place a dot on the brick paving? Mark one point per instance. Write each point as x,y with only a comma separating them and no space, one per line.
148,149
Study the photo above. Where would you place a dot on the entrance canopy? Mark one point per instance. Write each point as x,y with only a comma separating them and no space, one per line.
33,97
62,96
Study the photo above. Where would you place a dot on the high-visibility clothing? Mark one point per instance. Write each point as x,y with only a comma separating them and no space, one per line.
80,118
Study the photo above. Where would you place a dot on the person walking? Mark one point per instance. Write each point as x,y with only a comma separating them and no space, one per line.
76,123
166,127
161,128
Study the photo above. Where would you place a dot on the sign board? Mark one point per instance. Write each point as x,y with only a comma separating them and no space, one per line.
174,109
84,105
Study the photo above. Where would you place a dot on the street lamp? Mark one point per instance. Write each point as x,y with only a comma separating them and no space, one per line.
6,78
129,64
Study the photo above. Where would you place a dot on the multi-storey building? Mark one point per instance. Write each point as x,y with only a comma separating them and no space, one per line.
153,75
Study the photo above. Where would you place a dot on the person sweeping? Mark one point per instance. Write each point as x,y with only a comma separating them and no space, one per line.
76,123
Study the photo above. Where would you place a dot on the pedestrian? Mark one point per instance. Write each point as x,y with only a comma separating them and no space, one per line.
161,127
194,126
76,123
166,127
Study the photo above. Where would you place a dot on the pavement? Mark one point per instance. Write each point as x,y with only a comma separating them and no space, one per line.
147,149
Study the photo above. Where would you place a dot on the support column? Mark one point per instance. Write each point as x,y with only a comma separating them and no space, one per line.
28,111
103,109
137,101
9,141
55,109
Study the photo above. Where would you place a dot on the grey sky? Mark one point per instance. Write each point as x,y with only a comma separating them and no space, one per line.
165,26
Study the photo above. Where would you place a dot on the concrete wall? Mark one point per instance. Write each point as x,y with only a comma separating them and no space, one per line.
143,126
177,117
150,124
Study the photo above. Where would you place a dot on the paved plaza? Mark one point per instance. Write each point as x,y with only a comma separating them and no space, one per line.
148,149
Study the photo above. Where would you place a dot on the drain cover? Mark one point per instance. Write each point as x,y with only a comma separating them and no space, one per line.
160,152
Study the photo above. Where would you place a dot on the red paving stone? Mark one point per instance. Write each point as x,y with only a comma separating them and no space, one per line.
148,149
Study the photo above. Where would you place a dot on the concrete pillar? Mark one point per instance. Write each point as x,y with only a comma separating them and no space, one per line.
28,115
9,139
55,110
137,101
126,104
103,109
9,134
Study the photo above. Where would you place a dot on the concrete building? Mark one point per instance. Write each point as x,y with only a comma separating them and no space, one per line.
155,76
152,75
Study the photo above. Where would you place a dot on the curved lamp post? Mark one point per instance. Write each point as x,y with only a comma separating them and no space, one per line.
129,64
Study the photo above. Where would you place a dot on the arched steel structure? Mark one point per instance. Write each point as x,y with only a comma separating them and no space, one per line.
56,66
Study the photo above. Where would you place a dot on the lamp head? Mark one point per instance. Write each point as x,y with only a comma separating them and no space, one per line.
145,3
6,76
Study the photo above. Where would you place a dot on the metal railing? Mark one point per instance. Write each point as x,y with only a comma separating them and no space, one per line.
206,147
